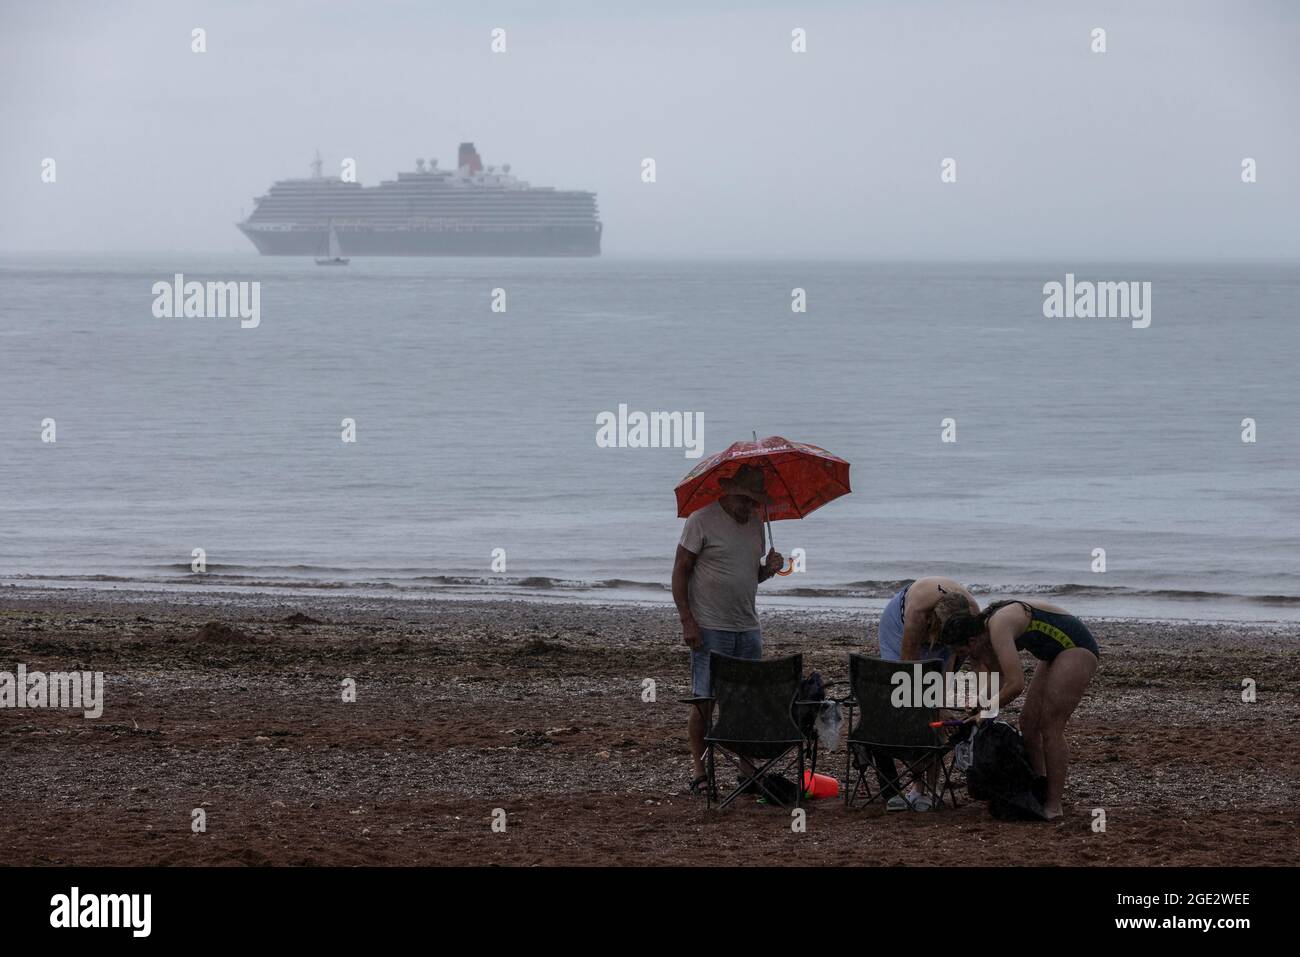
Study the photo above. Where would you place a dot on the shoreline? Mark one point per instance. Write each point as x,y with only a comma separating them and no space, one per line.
216,595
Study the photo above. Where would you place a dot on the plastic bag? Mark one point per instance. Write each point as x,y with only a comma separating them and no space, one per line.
965,751
829,723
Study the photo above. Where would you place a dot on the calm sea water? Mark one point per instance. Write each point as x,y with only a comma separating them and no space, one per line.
476,430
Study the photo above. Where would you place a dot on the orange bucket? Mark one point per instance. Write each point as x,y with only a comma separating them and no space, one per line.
820,785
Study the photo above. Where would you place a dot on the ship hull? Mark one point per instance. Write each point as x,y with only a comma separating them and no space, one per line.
367,241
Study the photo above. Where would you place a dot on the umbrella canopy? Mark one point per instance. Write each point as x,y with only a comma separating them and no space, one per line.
799,478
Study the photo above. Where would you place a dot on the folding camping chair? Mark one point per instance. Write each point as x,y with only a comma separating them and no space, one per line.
756,725
885,734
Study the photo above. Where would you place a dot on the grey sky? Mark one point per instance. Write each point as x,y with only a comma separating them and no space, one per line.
761,152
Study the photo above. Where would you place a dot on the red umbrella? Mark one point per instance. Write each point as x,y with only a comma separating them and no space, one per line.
799,478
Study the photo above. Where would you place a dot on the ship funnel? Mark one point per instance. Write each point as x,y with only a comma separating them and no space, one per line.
469,157
419,166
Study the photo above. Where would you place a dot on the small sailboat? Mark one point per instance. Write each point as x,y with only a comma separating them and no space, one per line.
334,258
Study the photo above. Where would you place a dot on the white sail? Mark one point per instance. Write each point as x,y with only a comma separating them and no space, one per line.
334,243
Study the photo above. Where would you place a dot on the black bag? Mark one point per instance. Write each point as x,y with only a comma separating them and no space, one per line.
812,689
1000,773
778,786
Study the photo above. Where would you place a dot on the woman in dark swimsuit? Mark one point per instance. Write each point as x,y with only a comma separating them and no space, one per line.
1067,654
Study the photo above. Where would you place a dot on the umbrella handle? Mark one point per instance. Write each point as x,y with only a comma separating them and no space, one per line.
767,521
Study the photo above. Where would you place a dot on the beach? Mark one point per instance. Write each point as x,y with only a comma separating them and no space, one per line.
232,703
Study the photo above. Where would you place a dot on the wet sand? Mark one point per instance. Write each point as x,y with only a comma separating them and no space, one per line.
233,704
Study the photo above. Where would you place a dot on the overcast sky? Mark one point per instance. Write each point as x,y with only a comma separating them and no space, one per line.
761,152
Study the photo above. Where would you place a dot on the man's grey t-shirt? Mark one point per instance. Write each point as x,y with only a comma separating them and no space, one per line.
724,584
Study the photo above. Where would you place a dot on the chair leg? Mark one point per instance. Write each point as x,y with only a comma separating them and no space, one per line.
798,782
755,777
915,773
870,770
860,783
948,787
761,772
848,763
711,785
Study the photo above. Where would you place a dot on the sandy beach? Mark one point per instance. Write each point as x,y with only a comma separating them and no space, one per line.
233,704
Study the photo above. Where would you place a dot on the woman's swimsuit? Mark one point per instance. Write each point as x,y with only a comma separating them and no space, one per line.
1050,632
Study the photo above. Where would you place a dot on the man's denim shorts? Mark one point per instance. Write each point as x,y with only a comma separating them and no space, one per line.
738,644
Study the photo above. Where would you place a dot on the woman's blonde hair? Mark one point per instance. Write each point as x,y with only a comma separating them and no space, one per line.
949,604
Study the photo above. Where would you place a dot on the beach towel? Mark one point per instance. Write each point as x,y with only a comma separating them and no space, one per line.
1000,773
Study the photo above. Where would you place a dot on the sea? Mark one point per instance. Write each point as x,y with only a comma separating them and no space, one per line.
1114,470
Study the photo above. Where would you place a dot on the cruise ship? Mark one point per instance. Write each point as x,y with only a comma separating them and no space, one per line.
469,211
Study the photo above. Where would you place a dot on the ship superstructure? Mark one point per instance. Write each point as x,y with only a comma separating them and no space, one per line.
469,211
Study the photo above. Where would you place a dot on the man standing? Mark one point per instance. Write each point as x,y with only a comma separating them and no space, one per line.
715,583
